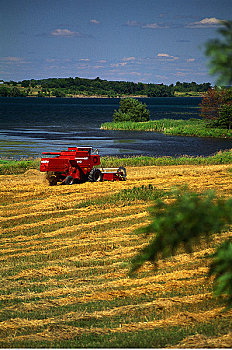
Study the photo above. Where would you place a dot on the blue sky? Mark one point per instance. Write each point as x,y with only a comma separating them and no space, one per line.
151,41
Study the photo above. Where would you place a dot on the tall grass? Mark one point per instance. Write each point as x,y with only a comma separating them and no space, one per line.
190,127
17,167
128,196
222,157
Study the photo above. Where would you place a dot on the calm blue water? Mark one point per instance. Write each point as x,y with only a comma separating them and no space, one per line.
30,126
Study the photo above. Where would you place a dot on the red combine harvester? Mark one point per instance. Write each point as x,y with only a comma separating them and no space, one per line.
77,165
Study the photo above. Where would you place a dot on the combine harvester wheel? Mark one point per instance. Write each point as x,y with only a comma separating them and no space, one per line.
68,180
95,175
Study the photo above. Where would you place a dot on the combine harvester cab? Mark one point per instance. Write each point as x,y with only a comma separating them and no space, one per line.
78,164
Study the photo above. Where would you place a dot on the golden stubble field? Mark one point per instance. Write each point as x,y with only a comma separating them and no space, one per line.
64,269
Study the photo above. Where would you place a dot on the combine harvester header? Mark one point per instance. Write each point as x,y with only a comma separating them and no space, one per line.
77,164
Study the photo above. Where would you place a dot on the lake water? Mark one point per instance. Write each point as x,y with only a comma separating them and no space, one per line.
30,126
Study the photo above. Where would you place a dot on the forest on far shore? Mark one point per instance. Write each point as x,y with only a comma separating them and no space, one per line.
77,87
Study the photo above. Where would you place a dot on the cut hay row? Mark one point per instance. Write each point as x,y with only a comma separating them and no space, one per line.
67,332
159,303
64,269
201,341
152,284
42,215
79,215
86,239
66,231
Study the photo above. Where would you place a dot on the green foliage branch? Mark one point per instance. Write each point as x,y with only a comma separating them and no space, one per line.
184,223
220,53
221,268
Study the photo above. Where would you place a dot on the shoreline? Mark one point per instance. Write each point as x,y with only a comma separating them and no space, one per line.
107,97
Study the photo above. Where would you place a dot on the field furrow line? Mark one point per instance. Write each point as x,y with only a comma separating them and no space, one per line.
69,273
78,227
173,278
70,229
71,299
99,244
65,212
64,199
200,341
159,303
68,332
79,215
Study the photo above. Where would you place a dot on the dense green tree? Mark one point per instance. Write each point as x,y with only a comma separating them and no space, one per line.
11,92
98,86
25,83
225,116
131,109
58,93
4,92
216,107
193,86
15,92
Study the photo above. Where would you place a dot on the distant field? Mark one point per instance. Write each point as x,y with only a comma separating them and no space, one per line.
65,256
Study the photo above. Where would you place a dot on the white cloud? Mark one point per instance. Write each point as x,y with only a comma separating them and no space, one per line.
205,23
190,60
121,64
64,33
163,55
154,26
133,24
167,56
145,25
151,26
84,59
13,59
127,59
94,21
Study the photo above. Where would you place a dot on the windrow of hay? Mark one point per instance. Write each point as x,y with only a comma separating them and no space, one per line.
159,303
111,290
71,217
200,341
67,332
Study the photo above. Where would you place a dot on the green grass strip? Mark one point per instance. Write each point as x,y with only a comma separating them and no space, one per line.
222,157
8,167
190,127
126,196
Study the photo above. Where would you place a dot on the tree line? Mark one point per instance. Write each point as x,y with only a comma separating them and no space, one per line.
64,87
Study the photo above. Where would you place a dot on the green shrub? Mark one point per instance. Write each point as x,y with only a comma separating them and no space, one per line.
131,110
